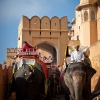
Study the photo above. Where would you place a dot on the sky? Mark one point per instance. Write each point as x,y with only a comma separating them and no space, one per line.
11,12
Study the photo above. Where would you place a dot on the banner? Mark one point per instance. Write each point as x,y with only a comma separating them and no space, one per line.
69,50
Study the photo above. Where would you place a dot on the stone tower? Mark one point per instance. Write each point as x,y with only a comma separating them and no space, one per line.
88,24
50,35
10,53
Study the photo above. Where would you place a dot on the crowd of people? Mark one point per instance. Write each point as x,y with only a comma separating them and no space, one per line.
76,56
45,59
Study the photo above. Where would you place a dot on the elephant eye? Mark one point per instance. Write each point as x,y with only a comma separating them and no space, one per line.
83,74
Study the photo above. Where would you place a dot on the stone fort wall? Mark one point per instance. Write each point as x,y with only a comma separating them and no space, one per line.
95,60
45,28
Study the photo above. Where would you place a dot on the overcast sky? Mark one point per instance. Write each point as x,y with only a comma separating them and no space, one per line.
11,12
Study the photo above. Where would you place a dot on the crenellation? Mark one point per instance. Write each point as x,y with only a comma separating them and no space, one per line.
12,50
44,23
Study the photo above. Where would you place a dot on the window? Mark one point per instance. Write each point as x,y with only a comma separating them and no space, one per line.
85,16
78,37
79,27
92,15
69,37
29,32
72,33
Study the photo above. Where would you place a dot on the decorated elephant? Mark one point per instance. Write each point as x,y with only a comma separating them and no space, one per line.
28,80
54,84
76,81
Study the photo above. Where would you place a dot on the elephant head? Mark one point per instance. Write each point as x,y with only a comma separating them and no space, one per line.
76,78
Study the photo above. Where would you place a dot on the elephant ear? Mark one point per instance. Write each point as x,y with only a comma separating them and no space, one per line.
90,72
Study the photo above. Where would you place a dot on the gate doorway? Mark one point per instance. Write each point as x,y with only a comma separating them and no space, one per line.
47,49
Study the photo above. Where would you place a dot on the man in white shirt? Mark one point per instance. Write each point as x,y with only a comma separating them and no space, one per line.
77,55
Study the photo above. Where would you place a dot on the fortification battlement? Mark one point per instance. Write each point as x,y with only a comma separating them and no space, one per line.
44,23
14,50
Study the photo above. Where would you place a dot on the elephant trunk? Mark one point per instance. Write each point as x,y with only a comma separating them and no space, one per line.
78,92
78,87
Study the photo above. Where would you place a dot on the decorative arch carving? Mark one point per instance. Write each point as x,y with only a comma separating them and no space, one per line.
85,15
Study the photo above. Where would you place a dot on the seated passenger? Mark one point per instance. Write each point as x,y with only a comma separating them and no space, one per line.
27,47
50,59
40,57
77,55
59,68
45,59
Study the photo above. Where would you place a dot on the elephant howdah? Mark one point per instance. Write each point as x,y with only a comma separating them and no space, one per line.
76,81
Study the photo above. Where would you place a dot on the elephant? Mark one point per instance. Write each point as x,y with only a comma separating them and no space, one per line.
76,81
28,82
53,83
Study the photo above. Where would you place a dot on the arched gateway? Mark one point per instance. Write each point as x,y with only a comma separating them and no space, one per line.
50,35
50,48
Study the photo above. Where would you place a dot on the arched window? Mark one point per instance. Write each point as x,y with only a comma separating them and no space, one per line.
92,15
78,37
85,16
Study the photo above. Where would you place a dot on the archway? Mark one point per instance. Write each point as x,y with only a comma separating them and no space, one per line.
50,49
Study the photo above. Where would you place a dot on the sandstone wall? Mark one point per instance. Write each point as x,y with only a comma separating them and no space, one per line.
95,60
4,82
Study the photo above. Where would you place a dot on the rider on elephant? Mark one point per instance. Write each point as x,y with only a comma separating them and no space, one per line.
77,55
80,56
26,46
